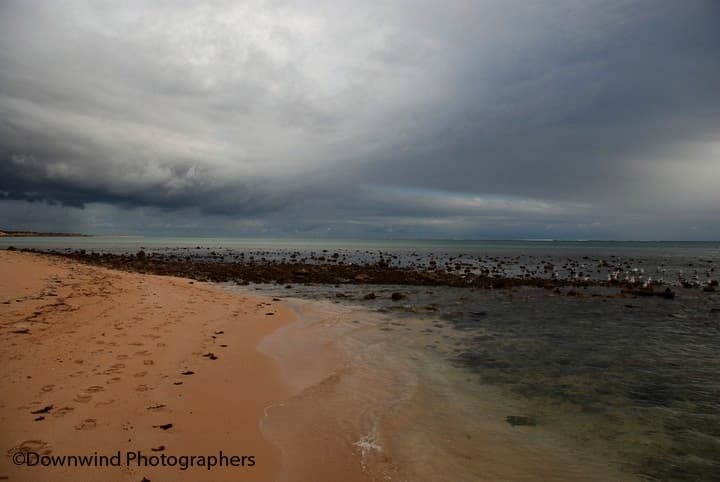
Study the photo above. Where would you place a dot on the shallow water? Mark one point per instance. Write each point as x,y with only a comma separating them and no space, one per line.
617,387
394,412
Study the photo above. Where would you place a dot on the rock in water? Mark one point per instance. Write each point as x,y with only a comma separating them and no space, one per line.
515,420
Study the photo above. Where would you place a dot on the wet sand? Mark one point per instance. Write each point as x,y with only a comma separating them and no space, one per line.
96,360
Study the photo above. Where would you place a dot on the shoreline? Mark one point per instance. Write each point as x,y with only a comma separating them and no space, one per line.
117,356
101,361
362,391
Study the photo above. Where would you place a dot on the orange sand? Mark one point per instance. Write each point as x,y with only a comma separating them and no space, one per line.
107,349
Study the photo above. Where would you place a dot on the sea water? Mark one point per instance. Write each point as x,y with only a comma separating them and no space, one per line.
605,387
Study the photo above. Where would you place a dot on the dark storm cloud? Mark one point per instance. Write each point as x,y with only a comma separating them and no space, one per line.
475,118
582,115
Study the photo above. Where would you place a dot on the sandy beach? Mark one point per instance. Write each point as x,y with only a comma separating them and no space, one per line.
95,361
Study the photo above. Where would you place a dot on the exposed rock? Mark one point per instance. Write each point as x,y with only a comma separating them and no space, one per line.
668,294
248,270
515,420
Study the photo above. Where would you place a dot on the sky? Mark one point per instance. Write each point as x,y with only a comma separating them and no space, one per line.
478,119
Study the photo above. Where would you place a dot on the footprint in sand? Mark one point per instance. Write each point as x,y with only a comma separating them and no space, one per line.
104,403
122,357
37,446
86,424
48,388
148,362
142,388
83,397
113,380
114,369
61,412
140,374
94,389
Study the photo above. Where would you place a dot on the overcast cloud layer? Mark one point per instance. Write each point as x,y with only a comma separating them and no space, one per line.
473,119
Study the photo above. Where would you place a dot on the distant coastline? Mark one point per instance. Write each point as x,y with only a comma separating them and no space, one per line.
35,234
